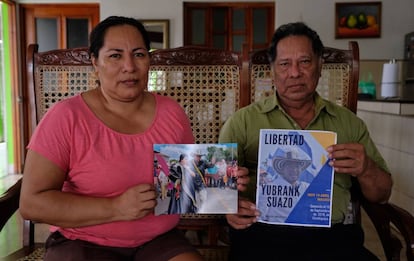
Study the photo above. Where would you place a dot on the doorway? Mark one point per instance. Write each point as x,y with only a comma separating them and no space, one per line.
51,26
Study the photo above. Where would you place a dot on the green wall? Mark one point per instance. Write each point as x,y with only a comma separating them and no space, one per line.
8,87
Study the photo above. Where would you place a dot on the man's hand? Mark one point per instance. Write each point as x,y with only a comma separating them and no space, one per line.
348,158
351,159
246,216
242,175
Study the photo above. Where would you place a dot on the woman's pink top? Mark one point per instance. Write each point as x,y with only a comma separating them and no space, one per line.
101,162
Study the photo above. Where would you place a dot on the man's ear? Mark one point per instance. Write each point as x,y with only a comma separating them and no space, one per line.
321,62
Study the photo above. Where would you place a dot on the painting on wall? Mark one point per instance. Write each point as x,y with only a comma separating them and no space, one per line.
158,31
358,20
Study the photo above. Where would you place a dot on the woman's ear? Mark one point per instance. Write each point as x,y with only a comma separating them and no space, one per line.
93,60
95,69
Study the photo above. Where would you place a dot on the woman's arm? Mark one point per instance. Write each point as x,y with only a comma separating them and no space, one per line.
42,200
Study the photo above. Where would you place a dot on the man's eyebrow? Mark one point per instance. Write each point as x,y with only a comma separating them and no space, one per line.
122,50
114,50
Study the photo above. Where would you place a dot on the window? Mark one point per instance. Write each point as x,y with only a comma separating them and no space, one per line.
229,25
59,25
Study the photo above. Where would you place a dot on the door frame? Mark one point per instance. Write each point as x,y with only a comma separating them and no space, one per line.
27,15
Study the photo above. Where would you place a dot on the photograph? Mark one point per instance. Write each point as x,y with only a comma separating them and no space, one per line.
358,20
158,32
195,178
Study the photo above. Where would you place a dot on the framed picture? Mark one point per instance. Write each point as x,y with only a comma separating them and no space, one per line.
358,20
159,32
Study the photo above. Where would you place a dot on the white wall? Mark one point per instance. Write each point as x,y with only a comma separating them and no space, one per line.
393,136
397,20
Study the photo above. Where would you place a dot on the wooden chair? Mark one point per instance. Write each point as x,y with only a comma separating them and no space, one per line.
50,76
9,203
339,83
206,82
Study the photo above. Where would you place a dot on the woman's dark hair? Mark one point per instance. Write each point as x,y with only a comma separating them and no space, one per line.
182,156
96,38
297,29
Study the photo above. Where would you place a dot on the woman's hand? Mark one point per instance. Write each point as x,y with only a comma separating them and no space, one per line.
136,202
246,216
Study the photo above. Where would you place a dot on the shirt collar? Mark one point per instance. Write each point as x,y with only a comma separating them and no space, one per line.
272,103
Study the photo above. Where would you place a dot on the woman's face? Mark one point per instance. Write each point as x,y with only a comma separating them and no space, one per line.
184,161
123,63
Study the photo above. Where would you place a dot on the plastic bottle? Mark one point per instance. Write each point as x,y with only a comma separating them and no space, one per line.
370,87
361,85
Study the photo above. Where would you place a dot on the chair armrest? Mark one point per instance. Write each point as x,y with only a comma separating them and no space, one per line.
9,202
404,222
387,216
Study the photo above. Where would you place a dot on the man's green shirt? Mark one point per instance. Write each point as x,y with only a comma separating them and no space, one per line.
244,125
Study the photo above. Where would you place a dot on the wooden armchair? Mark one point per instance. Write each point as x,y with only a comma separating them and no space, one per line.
339,83
206,82
9,203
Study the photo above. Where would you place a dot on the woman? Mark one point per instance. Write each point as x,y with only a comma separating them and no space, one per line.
175,176
89,166
183,199
188,194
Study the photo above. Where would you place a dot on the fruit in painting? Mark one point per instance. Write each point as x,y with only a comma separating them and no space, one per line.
362,20
342,21
352,21
371,20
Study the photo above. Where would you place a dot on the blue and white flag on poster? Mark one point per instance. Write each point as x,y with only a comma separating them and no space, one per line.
294,179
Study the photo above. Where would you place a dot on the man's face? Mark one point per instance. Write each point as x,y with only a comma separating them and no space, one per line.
291,172
296,68
197,158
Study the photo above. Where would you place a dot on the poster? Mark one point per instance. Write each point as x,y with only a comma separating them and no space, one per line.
295,181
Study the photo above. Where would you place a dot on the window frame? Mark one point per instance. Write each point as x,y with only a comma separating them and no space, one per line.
189,7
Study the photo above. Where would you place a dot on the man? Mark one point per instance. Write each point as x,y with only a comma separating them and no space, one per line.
288,166
199,167
295,55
